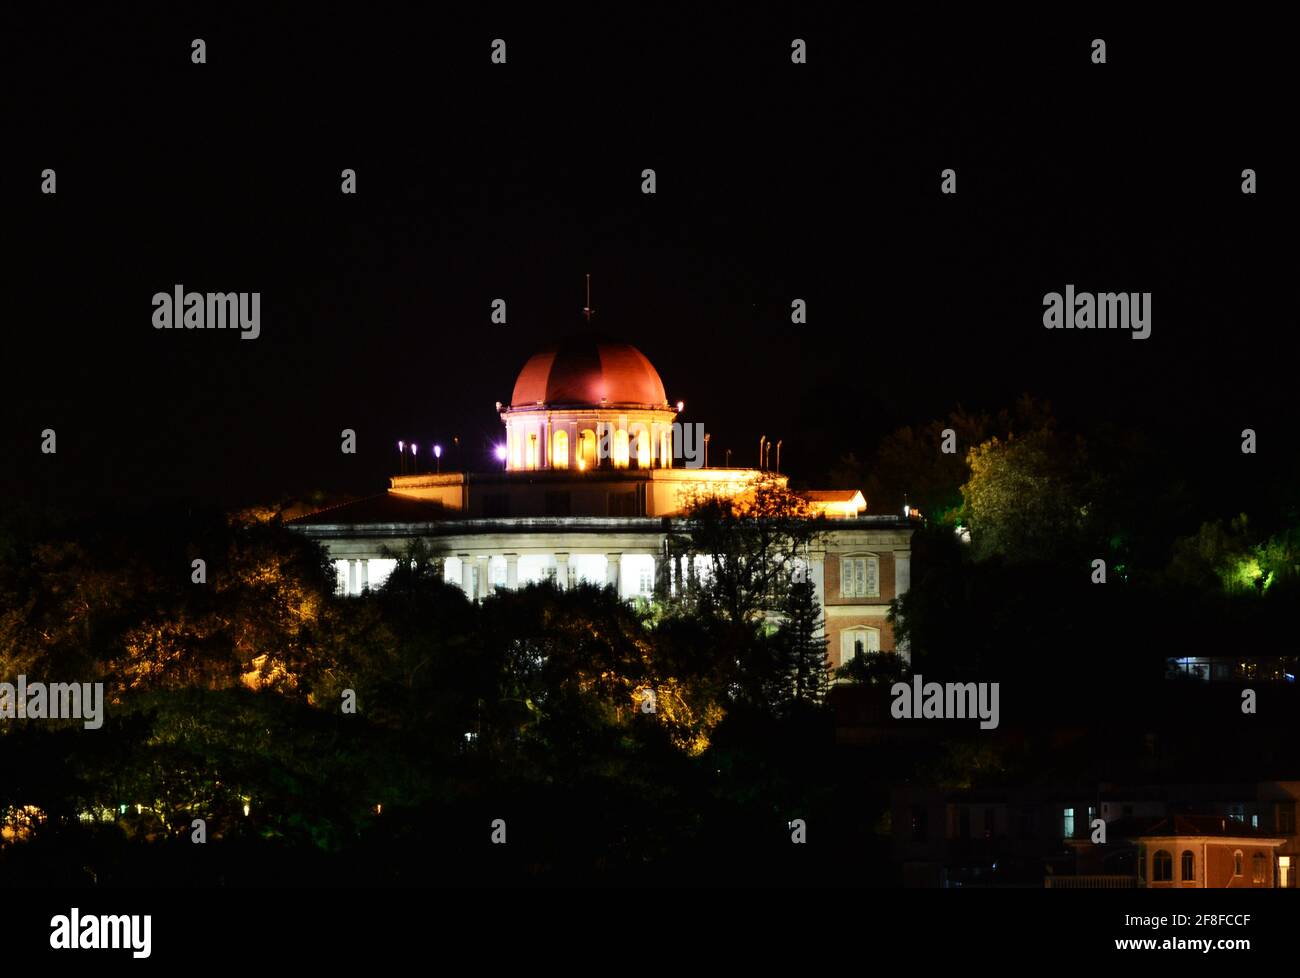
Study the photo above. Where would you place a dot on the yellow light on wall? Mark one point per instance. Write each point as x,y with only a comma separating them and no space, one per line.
560,450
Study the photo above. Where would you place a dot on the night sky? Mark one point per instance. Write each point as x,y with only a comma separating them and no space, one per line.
775,182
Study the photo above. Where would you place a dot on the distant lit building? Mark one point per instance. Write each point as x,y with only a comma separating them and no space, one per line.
1196,836
596,472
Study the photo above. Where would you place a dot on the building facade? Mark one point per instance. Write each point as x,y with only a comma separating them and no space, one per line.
597,477
1157,836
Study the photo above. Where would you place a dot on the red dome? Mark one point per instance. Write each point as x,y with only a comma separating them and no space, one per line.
589,371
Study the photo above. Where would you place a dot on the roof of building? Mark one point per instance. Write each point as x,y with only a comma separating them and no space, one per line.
830,495
1186,825
589,370
385,507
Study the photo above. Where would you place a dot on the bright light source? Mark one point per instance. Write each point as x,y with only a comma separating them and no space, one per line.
681,406
437,451
501,452
907,511
415,449
401,446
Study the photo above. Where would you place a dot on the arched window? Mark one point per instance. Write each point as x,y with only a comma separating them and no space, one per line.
1257,872
620,448
1162,869
858,641
643,449
1236,863
1189,866
587,454
560,450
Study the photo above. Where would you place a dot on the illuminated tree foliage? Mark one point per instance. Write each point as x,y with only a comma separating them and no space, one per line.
1025,499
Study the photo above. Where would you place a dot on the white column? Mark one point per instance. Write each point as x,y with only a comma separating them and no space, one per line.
512,571
352,577
363,574
483,583
466,575
562,570
612,564
817,574
902,572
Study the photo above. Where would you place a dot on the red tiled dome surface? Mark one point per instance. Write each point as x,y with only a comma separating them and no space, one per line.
589,371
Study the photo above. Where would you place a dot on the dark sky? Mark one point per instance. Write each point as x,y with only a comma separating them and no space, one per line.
775,182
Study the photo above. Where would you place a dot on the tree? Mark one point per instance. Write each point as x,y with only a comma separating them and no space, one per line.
803,667
752,543
909,465
1024,500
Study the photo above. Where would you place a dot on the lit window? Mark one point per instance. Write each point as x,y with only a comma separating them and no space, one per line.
860,577
620,449
1067,823
532,451
587,458
560,450
1162,869
1236,863
1189,866
858,641
646,581
643,449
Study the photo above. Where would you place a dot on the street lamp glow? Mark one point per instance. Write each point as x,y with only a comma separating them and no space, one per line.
681,406
501,452
437,451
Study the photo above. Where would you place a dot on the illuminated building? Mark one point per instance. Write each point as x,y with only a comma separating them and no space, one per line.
597,473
